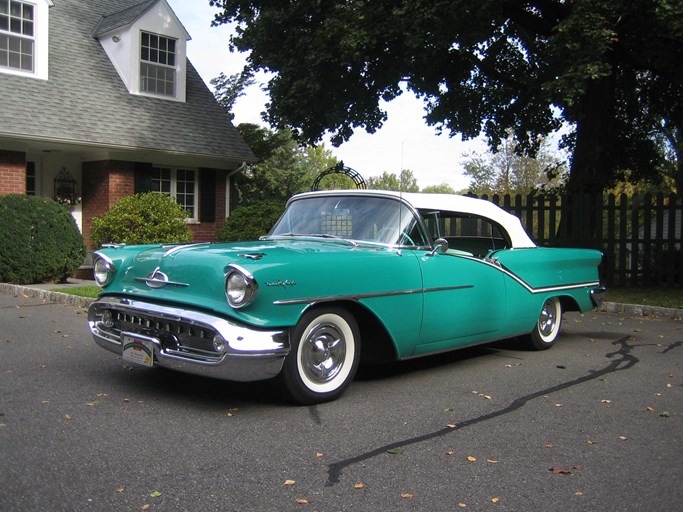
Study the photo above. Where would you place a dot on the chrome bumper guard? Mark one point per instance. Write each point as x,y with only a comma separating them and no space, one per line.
183,339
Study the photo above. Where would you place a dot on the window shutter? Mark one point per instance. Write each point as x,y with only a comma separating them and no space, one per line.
207,195
143,177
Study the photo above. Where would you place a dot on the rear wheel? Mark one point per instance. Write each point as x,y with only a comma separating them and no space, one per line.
324,355
548,325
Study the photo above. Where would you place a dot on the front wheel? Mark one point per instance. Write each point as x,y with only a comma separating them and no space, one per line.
324,355
548,325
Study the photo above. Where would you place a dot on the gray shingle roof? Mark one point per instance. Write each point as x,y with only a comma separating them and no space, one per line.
121,18
84,100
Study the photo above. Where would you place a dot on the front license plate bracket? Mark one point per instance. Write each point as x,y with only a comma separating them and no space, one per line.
138,349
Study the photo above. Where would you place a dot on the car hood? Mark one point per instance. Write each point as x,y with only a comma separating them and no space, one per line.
284,269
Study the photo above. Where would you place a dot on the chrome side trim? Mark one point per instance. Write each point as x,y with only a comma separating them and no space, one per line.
359,296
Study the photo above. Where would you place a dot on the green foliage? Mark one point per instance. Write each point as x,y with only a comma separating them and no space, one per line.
443,188
142,219
284,168
40,240
228,89
509,172
609,69
389,181
250,222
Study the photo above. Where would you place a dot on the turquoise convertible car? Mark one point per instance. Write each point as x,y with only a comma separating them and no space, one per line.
343,278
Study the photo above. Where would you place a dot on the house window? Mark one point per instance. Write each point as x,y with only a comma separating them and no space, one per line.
157,64
178,183
17,40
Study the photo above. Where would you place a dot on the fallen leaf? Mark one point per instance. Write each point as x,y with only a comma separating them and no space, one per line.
664,414
67,417
549,445
146,506
3,425
472,459
495,500
289,482
396,451
407,496
649,409
622,438
562,471
120,489
590,441
578,493
452,425
231,412
606,401
302,501
93,403
100,395
126,400
359,486
462,505
492,461
558,405
155,494
450,452
319,454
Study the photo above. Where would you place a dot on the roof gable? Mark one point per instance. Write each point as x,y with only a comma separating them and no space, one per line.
85,102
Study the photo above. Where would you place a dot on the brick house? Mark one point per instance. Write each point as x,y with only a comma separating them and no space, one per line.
98,101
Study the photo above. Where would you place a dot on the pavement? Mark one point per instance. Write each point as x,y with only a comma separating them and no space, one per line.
56,293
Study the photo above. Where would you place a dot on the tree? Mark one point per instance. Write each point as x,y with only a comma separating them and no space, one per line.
284,168
443,188
509,172
389,181
610,69
228,89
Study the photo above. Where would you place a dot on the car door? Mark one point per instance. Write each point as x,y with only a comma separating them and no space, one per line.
464,301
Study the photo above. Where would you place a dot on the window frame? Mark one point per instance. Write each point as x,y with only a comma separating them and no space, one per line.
20,36
173,181
155,64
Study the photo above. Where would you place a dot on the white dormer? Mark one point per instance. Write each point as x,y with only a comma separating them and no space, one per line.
147,45
24,37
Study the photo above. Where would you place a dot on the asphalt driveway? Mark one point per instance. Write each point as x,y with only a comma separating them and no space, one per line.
593,424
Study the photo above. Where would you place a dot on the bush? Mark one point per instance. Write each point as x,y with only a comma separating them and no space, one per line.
250,222
149,218
40,240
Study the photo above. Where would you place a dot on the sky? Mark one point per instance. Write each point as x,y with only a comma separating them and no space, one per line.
404,142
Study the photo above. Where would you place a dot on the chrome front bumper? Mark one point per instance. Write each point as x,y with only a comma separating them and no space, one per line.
183,339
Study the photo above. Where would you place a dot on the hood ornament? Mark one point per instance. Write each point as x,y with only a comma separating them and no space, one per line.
157,279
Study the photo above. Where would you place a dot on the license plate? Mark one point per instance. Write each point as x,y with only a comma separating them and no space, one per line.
138,351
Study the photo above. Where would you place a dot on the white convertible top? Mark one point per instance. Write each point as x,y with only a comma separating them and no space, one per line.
452,203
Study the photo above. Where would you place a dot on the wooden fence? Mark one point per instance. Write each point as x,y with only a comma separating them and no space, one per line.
639,235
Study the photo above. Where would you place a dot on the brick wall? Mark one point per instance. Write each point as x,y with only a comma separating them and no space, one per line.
12,172
104,183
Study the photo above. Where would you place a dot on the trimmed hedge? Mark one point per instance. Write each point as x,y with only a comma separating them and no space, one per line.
250,222
148,218
40,240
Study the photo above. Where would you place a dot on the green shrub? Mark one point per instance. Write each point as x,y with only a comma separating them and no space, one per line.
148,218
40,240
250,222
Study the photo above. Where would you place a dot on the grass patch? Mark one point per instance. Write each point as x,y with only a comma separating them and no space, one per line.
90,292
663,297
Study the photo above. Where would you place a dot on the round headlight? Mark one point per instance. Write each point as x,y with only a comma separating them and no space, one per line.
103,271
240,288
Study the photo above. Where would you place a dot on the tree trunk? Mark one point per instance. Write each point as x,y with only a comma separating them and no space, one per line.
593,164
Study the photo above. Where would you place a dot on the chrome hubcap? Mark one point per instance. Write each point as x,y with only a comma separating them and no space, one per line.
546,322
323,353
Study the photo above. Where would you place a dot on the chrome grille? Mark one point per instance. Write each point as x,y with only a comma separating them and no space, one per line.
173,334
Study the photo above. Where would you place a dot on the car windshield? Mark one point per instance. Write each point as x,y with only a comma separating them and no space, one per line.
356,218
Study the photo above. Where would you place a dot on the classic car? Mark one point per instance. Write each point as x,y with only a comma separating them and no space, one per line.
343,278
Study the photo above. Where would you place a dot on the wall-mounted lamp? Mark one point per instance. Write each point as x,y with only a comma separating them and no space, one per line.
116,39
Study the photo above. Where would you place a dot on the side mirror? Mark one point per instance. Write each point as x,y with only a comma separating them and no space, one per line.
440,246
